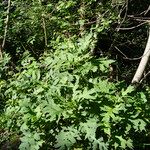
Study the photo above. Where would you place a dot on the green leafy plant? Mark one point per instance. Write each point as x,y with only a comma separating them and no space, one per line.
66,101
59,96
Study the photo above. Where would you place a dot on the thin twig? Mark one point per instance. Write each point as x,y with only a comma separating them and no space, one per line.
147,10
45,33
23,46
127,3
144,12
1,56
122,9
120,51
125,57
144,77
145,19
132,27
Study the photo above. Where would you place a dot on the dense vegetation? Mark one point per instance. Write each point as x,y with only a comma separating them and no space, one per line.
65,75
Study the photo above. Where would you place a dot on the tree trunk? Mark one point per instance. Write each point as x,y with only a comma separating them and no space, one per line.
5,30
139,72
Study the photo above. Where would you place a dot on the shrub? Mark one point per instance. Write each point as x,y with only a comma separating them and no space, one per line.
65,101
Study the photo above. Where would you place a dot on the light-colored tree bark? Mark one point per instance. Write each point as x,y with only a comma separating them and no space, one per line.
140,70
6,28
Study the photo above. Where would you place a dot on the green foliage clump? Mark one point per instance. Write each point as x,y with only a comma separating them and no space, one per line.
66,101
58,95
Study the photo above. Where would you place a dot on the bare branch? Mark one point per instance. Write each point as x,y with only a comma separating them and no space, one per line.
127,3
145,19
144,77
125,56
132,27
